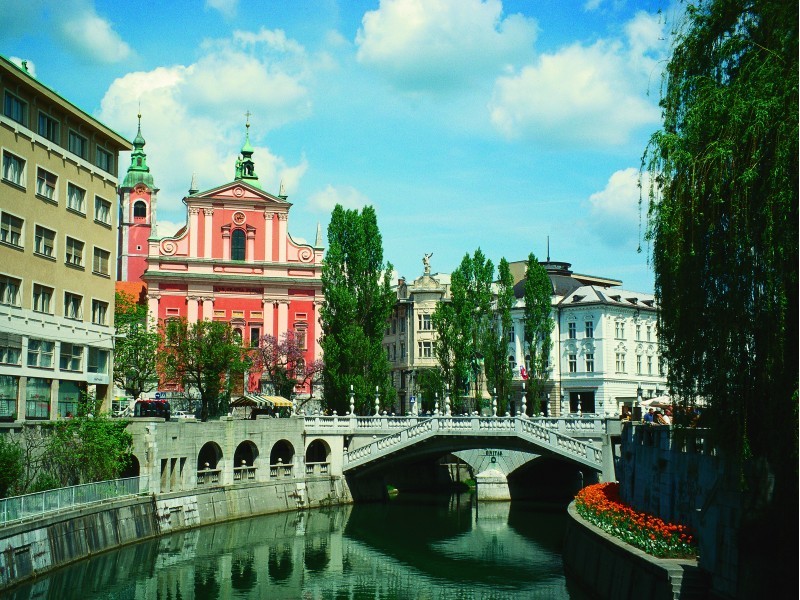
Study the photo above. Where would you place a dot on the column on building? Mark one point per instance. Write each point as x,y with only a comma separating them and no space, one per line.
192,307
208,222
268,223
251,243
226,242
318,329
152,309
208,308
269,315
193,230
283,316
282,217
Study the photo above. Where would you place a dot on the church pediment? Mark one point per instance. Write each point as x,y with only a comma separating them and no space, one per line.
240,192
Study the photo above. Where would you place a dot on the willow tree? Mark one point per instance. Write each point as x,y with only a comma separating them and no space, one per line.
723,221
358,301
538,326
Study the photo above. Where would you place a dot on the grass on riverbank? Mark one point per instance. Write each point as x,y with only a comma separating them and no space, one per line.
599,504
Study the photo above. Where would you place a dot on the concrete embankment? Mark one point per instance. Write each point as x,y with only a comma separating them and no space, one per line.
36,546
609,568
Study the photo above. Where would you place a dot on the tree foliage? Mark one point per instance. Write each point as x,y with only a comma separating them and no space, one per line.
205,356
358,301
537,329
11,466
498,370
284,363
135,348
723,220
462,326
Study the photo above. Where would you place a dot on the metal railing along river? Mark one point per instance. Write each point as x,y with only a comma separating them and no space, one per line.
39,503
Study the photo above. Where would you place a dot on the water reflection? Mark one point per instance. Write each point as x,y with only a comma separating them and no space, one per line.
423,547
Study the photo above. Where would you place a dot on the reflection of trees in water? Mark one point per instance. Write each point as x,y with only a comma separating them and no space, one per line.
243,573
316,554
205,582
279,563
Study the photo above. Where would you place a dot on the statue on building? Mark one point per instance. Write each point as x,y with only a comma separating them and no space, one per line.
426,262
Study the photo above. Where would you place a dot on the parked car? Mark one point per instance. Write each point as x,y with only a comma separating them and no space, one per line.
182,414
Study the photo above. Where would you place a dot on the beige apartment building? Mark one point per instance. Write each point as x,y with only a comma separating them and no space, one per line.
58,236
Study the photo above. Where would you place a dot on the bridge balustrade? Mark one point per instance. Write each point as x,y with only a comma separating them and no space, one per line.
208,476
244,473
319,468
281,471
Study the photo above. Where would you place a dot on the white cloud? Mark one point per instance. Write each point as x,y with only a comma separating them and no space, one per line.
193,117
591,5
227,8
614,211
347,196
94,37
442,44
594,95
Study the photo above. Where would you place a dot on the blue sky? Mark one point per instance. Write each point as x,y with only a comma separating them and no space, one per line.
465,123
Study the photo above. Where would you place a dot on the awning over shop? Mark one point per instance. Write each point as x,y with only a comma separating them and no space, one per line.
263,401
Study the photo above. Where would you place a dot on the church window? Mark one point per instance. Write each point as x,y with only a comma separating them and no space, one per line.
237,244
139,210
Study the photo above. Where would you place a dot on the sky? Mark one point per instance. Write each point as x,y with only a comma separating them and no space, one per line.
491,124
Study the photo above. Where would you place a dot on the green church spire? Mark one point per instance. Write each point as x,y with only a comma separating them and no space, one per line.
138,172
245,167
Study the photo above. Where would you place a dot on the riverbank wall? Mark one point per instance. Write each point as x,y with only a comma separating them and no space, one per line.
609,568
37,546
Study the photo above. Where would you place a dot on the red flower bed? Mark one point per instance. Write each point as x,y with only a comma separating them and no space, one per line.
600,505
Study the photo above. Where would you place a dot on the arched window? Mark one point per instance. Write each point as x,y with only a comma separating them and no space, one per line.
237,244
139,210
512,362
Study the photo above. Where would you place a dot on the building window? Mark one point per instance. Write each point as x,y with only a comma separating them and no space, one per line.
638,332
73,306
9,290
37,398
402,324
15,109
75,198
74,252
69,394
402,350
139,210
572,360
649,365
77,144
48,127
424,322
649,332
104,159
425,349
589,329
572,329
619,330
102,210
44,241
11,229
300,338
620,362
40,353
71,358
512,362
100,261
512,335
9,390
638,364
97,361
46,184
394,326
255,336
42,299
99,312
10,348
590,363
238,241
13,169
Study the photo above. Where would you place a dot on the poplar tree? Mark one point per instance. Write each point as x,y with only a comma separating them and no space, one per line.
135,347
498,371
358,301
537,327
723,221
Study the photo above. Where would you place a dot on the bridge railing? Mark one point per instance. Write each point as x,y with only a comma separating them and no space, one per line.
39,503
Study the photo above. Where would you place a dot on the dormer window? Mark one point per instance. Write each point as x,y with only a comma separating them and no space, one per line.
237,244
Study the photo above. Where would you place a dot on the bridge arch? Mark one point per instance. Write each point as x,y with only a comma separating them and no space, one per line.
209,457
282,452
246,454
318,451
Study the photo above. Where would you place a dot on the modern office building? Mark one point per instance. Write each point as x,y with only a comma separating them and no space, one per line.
58,240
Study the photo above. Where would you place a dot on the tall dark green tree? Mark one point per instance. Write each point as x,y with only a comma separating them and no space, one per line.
462,326
358,301
498,370
135,347
205,356
723,218
537,326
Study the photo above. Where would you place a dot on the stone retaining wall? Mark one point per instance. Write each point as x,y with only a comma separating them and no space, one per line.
33,547
609,568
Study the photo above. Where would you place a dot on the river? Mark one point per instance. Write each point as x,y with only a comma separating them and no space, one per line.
420,547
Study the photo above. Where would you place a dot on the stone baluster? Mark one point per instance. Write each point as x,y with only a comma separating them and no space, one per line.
524,414
377,402
494,402
447,400
436,404
352,402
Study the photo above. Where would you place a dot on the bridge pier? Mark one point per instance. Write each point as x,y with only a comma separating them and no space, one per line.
492,485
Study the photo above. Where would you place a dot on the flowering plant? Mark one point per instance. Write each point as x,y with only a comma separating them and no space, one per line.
600,505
